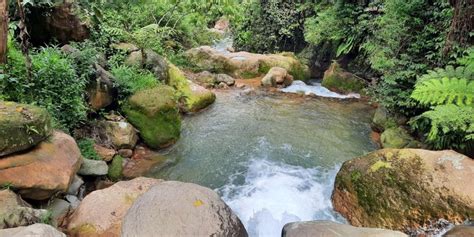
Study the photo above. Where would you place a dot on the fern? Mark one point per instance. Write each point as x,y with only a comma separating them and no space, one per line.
444,91
448,72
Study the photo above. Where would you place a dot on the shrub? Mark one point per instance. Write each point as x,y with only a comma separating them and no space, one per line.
130,80
87,149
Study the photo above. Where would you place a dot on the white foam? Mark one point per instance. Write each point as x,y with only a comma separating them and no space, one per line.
274,194
316,89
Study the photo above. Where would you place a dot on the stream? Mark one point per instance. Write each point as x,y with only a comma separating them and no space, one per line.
272,158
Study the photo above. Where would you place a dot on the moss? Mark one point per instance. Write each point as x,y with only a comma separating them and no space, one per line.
336,78
22,126
116,168
155,113
380,164
395,138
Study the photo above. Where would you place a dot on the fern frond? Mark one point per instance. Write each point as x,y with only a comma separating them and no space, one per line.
450,118
444,91
449,72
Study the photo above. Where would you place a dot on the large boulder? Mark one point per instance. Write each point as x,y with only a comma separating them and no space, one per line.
194,97
244,64
404,189
397,137
155,113
42,230
47,169
101,91
22,127
181,209
101,212
338,79
333,229
16,212
119,133
277,77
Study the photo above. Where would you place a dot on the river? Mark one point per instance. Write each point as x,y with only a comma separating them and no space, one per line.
272,158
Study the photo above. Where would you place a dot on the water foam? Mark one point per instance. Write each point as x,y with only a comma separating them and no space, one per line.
274,194
316,89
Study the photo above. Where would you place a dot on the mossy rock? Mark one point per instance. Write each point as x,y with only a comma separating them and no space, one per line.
397,137
288,61
22,126
154,112
404,189
337,79
383,119
116,168
194,97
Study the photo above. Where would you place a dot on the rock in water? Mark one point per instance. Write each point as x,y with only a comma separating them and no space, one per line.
195,97
101,212
339,80
277,76
42,230
47,169
155,113
181,209
403,189
332,229
22,127
15,212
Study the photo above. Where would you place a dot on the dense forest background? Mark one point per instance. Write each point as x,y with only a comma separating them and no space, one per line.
417,55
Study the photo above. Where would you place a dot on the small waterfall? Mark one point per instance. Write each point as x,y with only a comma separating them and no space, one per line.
317,89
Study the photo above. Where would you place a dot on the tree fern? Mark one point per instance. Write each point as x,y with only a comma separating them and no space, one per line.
444,91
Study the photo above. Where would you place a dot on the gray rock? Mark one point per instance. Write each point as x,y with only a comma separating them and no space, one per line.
42,230
59,209
181,209
15,212
73,200
230,81
157,64
76,184
333,229
93,168
461,231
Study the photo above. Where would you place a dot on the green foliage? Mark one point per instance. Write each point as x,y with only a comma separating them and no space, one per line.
53,85
131,80
451,93
87,149
273,25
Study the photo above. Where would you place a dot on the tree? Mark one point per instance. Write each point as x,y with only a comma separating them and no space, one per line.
3,30
462,24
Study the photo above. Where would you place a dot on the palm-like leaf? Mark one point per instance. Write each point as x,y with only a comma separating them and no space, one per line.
444,91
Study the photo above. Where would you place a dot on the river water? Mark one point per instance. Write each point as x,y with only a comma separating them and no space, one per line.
273,159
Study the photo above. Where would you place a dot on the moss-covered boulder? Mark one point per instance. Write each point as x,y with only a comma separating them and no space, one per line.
403,189
193,97
383,119
244,64
397,137
154,112
116,168
338,79
22,126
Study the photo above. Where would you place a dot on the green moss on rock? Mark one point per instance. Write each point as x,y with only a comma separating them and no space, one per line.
154,112
397,137
116,168
337,79
22,126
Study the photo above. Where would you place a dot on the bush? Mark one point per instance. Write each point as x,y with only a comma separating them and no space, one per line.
53,85
130,80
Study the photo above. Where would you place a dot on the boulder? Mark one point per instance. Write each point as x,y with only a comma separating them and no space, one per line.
277,76
42,230
50,166
59,209
181,209
101,212
339,80
120,133
333,229
404,189
93,168
155,113
126,153
461,231
244,64
383,119
22,127
397,137
152,61
206,79
116,168
193,97
106,154
75,186
228,80
16,212
101,91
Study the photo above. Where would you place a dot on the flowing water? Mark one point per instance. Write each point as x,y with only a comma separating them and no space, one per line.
273,159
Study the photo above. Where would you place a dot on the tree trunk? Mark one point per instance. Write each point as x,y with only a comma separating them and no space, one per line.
3,30
461,25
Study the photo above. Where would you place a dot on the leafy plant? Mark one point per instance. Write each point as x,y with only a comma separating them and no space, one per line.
130,80
87,149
